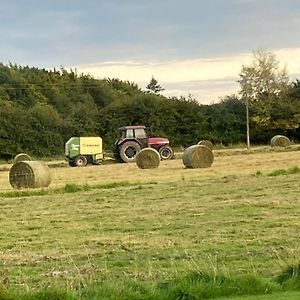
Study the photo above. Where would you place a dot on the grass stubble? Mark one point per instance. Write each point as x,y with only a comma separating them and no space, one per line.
148,232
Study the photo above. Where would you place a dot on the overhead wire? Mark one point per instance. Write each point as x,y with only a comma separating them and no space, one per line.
10,86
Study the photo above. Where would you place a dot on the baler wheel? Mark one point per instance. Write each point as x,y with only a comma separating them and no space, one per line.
72,163
80,161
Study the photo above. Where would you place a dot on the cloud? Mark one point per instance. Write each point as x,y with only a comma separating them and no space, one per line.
54,33
290,58
168,71
205,91
206,79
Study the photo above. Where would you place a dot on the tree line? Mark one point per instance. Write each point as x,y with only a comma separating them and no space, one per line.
41,109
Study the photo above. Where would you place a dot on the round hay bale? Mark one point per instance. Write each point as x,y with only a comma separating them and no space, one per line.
29,174
148,158
22,157
206,143
197,156
280,141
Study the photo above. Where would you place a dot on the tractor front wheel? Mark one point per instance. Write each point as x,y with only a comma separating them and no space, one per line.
129,150
166,152
80,161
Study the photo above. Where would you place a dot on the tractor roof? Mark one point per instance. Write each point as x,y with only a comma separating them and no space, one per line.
132,127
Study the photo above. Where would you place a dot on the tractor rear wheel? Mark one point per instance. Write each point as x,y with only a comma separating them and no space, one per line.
129,150
166,152
80,161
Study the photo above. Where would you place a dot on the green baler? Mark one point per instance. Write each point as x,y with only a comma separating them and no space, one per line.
80,151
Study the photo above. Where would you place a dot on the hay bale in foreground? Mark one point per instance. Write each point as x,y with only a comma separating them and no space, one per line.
280,141
29,174
206,143
197,156
22,157
147,158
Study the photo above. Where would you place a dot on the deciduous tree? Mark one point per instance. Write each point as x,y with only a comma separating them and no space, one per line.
264,85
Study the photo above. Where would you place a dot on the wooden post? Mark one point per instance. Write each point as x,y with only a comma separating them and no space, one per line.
247,121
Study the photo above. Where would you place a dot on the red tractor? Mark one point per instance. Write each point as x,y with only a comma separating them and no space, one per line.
134,138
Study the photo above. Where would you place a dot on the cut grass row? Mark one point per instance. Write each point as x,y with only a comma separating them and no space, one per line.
73,187
218,151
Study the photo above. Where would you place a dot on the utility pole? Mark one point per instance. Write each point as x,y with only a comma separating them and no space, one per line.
247,121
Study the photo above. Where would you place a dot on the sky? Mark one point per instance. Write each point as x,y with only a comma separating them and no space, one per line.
192,47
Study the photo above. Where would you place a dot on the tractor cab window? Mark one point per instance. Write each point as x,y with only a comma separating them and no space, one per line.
129,133
140,134
123,134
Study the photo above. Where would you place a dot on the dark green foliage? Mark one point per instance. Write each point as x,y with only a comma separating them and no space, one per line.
226,121
40,110
178,119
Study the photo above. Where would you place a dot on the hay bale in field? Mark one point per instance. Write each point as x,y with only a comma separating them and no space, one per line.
280,141
197,156
206,143
29,174
148,158
22,157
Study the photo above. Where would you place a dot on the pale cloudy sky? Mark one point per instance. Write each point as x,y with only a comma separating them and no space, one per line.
192,47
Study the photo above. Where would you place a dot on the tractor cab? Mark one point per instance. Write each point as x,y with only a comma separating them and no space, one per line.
137,133
134,138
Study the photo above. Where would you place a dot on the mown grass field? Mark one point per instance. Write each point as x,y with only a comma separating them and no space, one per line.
115,222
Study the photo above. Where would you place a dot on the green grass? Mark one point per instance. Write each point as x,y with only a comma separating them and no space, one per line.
276,296
293,170
189,237
195,286
71,188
